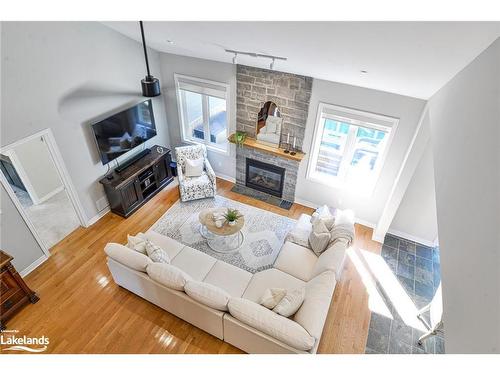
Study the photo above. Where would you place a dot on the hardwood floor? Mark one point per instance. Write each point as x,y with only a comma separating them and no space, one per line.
81,309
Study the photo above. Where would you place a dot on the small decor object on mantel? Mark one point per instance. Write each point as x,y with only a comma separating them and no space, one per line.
240,138
232,216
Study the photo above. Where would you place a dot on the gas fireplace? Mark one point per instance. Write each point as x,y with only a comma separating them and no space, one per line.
265,177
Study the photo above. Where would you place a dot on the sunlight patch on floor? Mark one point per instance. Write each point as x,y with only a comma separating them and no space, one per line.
375,301
401,301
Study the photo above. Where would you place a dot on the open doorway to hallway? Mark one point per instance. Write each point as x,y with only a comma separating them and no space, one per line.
31,173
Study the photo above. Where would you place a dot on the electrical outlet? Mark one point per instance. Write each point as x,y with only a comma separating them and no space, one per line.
101,203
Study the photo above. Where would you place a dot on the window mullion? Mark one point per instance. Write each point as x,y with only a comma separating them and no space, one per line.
206,118
348,152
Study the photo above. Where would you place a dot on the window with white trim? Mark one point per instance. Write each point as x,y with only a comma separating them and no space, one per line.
203,111
349,147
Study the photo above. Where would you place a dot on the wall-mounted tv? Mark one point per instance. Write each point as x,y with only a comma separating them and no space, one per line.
124,131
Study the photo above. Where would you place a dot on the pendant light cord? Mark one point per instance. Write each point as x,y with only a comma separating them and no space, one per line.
145,50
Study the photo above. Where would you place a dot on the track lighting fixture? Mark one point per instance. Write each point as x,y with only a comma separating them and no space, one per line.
253,54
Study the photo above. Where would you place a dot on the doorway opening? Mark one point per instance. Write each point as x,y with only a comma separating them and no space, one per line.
33,174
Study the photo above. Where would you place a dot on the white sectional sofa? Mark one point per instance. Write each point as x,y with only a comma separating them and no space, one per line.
243,322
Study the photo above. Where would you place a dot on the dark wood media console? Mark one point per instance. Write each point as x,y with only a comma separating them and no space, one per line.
129,190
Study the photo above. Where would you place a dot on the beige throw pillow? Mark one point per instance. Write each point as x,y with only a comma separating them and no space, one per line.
194,168
291,302
137,243
319,237
156,253
272,297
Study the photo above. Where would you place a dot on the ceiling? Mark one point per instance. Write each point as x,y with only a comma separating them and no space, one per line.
408,58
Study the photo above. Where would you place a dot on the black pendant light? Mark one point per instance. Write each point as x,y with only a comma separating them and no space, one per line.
150,84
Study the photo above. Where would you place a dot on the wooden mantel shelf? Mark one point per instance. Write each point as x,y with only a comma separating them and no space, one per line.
252,143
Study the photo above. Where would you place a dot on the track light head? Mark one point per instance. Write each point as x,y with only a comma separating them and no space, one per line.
271,66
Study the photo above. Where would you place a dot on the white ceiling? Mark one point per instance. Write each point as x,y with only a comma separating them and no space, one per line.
408,58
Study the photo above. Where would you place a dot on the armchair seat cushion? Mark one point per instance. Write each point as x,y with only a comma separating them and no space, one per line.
199,181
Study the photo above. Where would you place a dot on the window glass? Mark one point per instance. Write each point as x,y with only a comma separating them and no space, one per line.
217,121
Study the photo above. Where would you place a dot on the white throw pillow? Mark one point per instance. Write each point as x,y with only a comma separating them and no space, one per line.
128,257
344,217
156,253
323,213
137,243
272,297
207,294
194,168
319,237
290,303
168,275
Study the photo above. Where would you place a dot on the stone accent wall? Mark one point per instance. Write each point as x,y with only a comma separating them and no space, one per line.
291,168
291,93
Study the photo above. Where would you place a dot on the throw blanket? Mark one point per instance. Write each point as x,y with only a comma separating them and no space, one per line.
342,231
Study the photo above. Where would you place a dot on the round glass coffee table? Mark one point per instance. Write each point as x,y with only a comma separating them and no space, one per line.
226,239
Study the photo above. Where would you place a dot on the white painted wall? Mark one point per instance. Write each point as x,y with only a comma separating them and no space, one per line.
38,167
416,216
15,236
224,165
63,75
408,110
465,131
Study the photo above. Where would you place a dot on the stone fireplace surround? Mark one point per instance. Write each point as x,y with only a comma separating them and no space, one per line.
292,94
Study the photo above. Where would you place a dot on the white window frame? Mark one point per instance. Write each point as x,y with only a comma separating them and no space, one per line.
203,83
352,117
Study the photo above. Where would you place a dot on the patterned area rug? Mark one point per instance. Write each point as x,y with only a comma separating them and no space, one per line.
264,232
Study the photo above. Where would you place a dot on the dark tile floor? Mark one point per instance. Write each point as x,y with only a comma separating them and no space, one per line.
417,268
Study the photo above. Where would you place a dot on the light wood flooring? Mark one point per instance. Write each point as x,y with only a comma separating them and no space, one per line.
81,309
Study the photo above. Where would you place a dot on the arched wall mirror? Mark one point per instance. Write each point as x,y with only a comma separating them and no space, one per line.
269,120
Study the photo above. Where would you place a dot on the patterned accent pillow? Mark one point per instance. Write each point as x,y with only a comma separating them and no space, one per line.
272,297
156,253
137,243
291,302
319,237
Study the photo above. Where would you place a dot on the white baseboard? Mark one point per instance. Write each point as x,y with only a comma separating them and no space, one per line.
303,202
410,237
51,194
225,177
33,265
97,217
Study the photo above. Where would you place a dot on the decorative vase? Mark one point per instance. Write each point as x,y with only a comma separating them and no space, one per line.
231,223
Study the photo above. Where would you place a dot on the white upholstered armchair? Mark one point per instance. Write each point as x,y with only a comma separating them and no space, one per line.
192,188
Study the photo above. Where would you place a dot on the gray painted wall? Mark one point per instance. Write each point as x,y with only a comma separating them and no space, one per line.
408,110
15,237
212,70
465,118
62,75
416,215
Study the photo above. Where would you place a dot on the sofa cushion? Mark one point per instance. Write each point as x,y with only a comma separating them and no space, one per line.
296,260
312,314
128,257
272,278
291,302
331,259
168,275
171,246
195,263
232,279
267,321
207,294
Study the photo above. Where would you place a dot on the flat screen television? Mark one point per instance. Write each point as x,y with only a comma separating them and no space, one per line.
124,131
